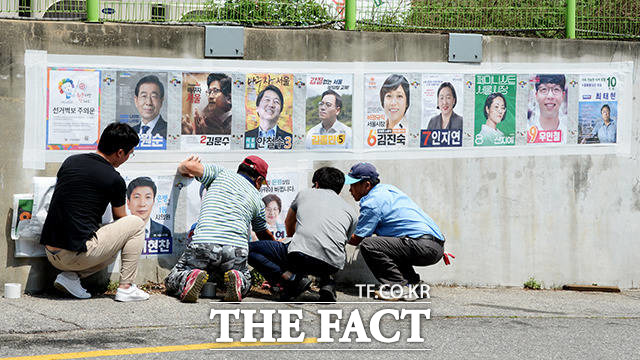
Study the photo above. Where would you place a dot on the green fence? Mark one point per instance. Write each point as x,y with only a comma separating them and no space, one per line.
47,9
511,16
603,19
608,19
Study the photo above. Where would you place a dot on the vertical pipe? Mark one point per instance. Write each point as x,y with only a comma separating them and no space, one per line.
571,19
350,14
93,10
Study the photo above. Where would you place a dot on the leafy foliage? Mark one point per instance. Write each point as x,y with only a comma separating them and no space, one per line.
263,12
532,284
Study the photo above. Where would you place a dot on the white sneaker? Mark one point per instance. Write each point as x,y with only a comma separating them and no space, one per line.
408,295
69,283
131,294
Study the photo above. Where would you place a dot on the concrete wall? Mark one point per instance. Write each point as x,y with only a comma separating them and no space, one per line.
580,227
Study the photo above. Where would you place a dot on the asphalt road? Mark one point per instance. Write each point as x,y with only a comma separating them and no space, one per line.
464,324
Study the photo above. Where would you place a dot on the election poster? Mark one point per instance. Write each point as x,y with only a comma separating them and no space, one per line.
140,102
194,191
277,195
387,105
149,197
547,109
442,106
495,110
25,234
206,112
269,111
328,111
22,209
598,109
73,109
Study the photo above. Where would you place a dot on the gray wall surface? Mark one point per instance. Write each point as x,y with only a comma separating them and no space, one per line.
581,227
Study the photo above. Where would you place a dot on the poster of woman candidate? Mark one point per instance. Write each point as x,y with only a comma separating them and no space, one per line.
387,103
206,112
442,104
495,110
73,109
277,196
328,111
269,111
149,198
547,109
598,109
141,103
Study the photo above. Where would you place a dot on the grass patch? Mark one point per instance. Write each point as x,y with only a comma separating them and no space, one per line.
532,284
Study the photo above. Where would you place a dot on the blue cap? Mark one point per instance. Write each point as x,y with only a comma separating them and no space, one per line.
361,171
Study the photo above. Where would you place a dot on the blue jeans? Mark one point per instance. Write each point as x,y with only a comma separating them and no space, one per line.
271,259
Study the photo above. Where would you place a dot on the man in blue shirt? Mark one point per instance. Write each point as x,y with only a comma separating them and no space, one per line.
606,129
394,234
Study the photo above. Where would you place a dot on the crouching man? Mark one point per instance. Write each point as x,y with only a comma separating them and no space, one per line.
405,236
220,241
320,223
74,241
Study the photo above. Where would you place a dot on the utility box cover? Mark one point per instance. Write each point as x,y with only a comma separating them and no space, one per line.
465,48
224,42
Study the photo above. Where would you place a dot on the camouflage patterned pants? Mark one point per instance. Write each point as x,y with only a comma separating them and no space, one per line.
214,259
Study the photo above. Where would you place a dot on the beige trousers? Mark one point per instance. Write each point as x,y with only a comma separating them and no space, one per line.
126,235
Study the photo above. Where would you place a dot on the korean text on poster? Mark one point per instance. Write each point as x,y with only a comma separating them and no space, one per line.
277,195
598,109
269,111
206,112
387,103
328,111
442,104
141,104
149,198
73,109
495,107
547,109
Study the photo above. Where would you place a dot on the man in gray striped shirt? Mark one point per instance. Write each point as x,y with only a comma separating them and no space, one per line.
220,241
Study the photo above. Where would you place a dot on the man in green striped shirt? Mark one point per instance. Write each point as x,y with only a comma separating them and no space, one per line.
220,241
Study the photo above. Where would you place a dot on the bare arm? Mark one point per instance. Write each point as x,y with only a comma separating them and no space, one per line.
290,222
191,167
118,212
265,235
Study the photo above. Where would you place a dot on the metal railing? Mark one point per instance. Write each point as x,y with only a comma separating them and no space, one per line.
604,19
608,19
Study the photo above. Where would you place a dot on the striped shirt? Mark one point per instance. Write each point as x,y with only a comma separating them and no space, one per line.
229,206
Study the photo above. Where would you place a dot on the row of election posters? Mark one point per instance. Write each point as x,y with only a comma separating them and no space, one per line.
154,198
218,111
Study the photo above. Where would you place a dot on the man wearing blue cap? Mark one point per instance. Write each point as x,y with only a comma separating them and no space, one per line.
405,236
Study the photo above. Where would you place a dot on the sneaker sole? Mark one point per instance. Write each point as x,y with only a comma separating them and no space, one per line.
64,290
379,296
193,293
233,283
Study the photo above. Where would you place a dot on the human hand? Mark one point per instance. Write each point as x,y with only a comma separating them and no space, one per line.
187,166
354,240
200,123
188,127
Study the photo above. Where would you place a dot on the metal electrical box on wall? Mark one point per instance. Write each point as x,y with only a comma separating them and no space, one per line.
223,42
465,48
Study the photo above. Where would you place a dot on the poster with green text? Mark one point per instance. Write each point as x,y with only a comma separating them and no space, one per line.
495,110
